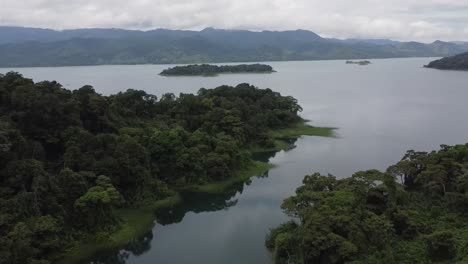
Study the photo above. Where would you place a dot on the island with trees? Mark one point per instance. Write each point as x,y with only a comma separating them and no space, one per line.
414,212
80,171
457,62
360,63
214,70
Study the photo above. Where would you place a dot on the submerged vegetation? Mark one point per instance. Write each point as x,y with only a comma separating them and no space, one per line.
213,70
73,164
415,212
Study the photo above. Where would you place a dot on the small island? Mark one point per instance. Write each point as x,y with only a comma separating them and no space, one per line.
361,63
214,70
457,62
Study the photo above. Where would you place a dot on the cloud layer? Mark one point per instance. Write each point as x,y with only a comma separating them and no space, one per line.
423,20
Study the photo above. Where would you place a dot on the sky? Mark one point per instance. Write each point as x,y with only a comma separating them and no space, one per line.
419,20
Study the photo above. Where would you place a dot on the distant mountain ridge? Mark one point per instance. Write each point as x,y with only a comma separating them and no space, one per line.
22,47
23,34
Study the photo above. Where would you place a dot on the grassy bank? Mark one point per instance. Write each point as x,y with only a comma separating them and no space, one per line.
135,222
282,137
256,168
279,145
303,129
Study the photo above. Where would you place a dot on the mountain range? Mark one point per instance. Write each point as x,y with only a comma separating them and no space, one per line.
24,47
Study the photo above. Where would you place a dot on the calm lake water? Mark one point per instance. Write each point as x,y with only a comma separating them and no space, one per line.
381,111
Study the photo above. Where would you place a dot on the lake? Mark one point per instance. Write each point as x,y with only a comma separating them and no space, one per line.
381,110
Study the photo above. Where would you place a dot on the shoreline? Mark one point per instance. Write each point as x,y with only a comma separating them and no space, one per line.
138,220
216,63
134,223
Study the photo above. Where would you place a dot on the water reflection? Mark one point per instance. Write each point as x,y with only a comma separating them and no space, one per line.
205,202
136,247
191,202
265,156
198,202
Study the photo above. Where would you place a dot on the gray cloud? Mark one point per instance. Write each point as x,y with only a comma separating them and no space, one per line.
423,20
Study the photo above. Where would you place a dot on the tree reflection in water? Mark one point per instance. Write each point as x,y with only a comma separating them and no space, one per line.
191,202
136,247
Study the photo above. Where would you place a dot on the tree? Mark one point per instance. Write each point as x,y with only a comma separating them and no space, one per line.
71,186
132,170
97,203
441,245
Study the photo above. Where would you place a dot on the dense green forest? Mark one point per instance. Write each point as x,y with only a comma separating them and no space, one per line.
68,159
415,212
213,70
457,62
27,47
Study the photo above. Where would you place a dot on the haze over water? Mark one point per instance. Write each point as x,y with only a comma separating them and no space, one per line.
380,110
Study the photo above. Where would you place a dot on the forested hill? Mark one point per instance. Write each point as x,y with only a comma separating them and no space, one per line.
457,62
43,47
69,158
415,212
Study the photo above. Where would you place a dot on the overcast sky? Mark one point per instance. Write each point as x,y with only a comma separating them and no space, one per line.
422,20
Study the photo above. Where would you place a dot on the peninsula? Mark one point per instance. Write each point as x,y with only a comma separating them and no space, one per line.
414,212
457,62
82,172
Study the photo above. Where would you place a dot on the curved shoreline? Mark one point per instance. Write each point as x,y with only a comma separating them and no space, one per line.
138,220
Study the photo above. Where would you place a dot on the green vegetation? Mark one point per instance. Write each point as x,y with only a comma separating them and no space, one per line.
256,168
213,70
415,212
278,145
302,129
83,172
457,62
284,138
133,223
